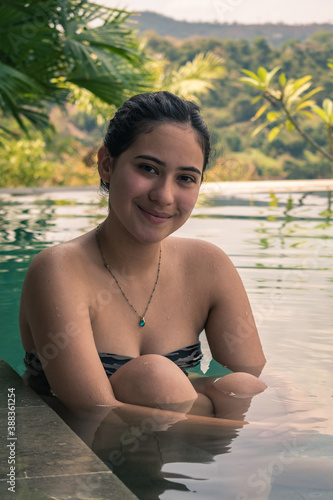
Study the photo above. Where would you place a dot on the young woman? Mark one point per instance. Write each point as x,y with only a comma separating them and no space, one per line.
113,317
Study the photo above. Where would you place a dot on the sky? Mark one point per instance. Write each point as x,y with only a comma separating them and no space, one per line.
242,11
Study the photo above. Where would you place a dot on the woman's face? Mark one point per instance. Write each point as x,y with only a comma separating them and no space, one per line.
155,183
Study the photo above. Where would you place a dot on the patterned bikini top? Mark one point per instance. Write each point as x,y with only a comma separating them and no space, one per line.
184,358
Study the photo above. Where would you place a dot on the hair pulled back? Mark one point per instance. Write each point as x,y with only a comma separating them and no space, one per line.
143,112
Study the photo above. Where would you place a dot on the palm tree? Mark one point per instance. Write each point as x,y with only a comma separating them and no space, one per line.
50,47
191,80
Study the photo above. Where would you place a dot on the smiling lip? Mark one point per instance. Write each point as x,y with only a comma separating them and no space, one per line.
155,216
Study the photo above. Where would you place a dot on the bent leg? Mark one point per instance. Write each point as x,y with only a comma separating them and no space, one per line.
239,384
155,381
231,395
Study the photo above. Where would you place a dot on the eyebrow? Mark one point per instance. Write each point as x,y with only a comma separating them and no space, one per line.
163,164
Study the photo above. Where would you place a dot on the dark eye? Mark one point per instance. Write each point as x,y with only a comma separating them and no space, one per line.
148,168
187,179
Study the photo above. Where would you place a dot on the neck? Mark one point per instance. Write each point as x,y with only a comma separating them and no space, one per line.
123,251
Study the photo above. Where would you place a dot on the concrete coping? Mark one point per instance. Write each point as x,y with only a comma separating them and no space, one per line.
43,458
234,187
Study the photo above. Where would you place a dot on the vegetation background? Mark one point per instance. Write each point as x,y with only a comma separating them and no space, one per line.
58,145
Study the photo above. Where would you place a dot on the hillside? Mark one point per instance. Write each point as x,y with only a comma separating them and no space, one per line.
275,34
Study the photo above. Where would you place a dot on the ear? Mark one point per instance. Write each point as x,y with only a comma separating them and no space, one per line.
104,164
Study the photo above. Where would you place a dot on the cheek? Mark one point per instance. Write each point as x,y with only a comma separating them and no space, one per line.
135,186
188,200
127,188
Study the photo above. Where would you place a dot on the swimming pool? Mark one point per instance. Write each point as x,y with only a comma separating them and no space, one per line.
281,241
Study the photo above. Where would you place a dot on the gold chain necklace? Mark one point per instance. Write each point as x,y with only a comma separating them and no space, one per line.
142,317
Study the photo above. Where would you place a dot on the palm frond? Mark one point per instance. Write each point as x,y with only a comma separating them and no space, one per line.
70,42
194,78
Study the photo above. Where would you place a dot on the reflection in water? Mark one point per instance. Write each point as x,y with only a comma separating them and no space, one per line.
284,440
165,464
282,245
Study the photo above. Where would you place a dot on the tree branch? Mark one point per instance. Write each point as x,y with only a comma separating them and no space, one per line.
302,132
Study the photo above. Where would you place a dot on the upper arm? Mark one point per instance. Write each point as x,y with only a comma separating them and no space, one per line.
230,328
55,308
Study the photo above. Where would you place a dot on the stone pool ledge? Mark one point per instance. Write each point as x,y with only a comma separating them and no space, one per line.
51,461
275,186
224,188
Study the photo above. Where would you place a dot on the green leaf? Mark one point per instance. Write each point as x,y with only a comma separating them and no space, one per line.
302,81
305,104
308,114
259,129
260,111
311,93
297,91
320,112
194,78
270,75
328,108
282,79
250,81
289,125
256,99
273,116
262,73
252,75
274,132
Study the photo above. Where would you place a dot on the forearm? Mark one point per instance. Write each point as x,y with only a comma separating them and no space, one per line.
253,370
139,423
172,420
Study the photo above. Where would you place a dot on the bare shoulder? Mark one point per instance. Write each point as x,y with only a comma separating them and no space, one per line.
59,259
57,269
54,282
200,254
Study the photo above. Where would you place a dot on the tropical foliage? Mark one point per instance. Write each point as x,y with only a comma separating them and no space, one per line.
230,106
86,59
288,101
50,48
154,62
68,157
191,80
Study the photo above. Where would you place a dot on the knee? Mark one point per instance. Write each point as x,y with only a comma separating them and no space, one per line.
240,384
153,380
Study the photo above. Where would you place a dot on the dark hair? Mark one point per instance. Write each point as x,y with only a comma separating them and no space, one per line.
142,112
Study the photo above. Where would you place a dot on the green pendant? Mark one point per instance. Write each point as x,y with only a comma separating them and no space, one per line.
142,322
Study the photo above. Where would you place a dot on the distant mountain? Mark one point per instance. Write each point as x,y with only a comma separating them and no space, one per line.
274,33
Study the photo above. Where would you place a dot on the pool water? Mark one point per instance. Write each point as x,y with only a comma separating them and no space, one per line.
282,245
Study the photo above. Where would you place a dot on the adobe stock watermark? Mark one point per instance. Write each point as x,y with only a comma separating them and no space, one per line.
134,436
223,7
86,486
11,440
264,310
260,481
60,340
29,29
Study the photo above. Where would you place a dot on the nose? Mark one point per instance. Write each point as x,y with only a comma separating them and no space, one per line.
162,192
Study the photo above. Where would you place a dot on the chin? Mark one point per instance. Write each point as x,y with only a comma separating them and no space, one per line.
152,237
151,240
149,235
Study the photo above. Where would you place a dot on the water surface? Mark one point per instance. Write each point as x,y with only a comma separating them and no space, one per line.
282,246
